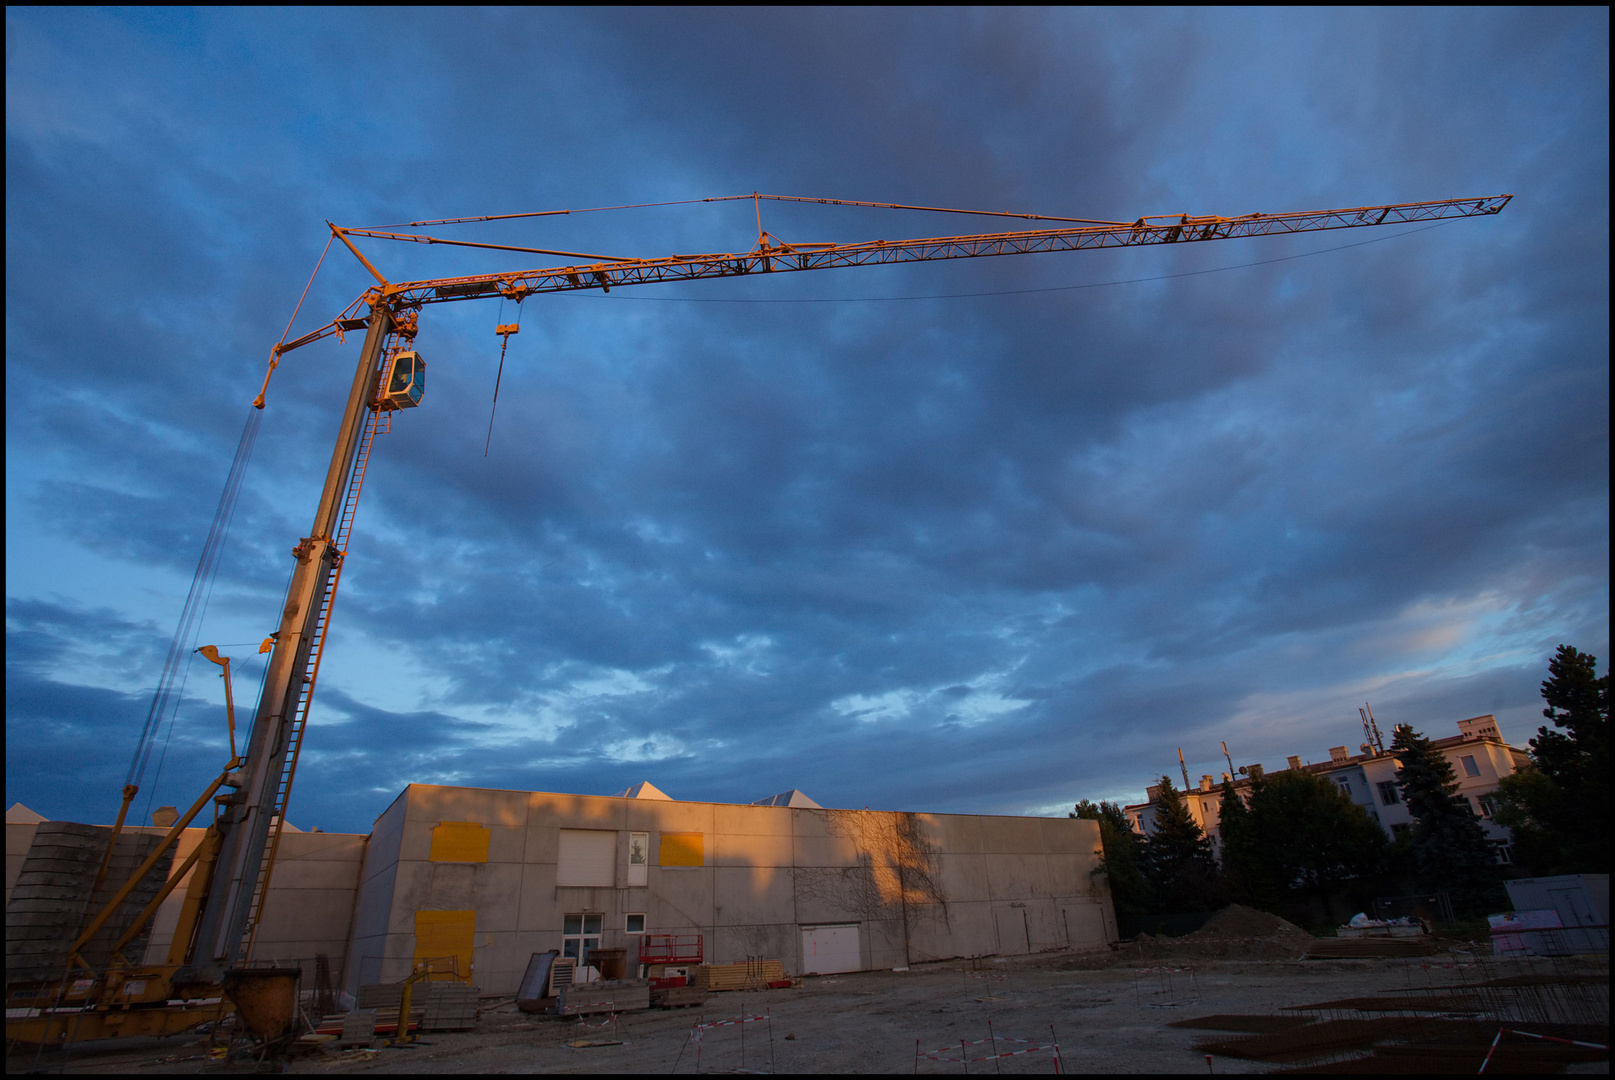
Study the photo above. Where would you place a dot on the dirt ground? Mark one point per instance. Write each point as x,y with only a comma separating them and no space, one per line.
1108,1013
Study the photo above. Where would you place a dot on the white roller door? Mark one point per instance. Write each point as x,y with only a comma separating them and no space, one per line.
829,949
588,857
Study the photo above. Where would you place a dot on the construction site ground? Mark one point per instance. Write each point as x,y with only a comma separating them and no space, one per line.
1108,1012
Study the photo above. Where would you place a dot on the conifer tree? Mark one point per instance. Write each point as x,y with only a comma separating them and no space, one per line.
1177,861
1244,876
1450,848
1558,810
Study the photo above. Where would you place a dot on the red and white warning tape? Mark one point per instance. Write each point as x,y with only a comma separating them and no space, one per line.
935,1055
1532,1035
726,1023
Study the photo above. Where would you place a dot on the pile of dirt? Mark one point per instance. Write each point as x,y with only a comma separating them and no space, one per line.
1234,933
1237,920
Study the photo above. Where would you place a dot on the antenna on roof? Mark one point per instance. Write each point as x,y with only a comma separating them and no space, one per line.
1231,773
1371,729
1185,769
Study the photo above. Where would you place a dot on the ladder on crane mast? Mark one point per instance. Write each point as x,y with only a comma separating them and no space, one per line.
377,422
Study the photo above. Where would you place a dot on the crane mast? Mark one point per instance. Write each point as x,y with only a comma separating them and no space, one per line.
225,902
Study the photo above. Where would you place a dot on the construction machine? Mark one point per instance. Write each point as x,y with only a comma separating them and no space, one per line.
245,806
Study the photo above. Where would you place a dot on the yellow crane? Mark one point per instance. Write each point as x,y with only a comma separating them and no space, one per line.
224,900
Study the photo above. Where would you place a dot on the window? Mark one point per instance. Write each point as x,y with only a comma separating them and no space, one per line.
587,857
1387,792
580,936
1488,805
634,924
638,859
1345,786
1505,854
1470,768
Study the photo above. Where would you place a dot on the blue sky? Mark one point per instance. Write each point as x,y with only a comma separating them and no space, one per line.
990,550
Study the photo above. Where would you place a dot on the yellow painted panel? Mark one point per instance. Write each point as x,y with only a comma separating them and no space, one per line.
440,934
682,849
460,841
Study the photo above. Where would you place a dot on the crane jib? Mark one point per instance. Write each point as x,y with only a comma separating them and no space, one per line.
785,257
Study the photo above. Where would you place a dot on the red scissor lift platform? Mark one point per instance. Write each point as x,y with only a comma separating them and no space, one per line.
660,951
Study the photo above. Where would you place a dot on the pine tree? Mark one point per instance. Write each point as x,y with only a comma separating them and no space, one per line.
1244,875
1450,848
1129,891
1558,810
1177,860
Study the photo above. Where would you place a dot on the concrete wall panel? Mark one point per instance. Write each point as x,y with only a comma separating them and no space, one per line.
1012,836
771,941
498,897
684,897
1017,877
315,847
537,908
1047,928
1071,875
963,878
728,849
825,851
292,874
542,844
957,834
412,892
1071,836
645,815
973,931
752,820
432,803
507,843
747,895
302,916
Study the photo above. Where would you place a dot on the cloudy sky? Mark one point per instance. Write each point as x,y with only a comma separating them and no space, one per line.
989,536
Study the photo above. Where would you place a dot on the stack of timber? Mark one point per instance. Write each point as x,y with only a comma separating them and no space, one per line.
1349,948
746,975
435,1005
51,902
604,996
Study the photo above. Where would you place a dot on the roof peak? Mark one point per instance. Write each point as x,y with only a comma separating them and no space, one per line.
645,790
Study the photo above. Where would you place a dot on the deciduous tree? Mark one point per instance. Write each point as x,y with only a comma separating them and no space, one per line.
1129,891
1299,833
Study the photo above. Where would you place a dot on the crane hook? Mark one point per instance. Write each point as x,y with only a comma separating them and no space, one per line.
504,330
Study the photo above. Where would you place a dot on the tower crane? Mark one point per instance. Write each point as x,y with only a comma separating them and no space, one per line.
225,898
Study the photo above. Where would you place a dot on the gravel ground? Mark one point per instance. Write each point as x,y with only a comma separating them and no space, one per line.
1109,1013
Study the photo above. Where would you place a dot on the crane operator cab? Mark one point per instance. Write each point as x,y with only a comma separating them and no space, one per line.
406,384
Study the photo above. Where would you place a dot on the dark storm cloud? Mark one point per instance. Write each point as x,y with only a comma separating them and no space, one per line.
969,553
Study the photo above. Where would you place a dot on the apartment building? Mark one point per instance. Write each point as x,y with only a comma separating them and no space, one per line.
1478,753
